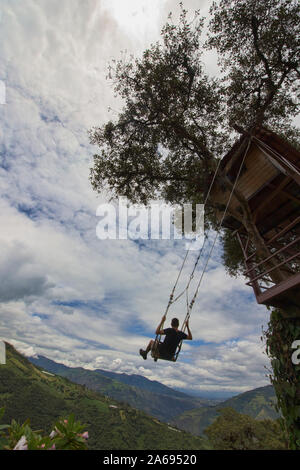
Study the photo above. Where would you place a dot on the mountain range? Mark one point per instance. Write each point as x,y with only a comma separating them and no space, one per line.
29,392
147,395
181,410
258,403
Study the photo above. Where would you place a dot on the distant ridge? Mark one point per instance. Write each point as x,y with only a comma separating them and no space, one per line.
177,408
149,396
133,380
258,403
143,383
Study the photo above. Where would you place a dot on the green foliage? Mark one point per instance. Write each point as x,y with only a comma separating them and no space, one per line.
232,255
279,337
235,431
258,404
70,434
165,140
258,46
176,118
2,426
67,435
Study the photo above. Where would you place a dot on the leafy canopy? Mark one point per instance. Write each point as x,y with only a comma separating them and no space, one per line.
235,431
176,119
258,48
168,134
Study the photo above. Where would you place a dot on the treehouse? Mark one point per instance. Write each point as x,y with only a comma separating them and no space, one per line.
264,214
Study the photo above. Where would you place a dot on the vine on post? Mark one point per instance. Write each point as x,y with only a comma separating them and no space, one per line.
281,337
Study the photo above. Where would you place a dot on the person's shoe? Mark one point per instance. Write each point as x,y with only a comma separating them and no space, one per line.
143,354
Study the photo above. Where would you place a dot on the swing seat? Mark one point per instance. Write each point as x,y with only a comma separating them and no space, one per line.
155,354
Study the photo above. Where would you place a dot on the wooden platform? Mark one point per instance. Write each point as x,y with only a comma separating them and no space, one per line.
286,292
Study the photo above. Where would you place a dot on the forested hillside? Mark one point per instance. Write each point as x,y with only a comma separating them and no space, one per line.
258,403
28,392
149,396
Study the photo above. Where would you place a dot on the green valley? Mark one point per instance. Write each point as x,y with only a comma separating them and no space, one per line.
28,392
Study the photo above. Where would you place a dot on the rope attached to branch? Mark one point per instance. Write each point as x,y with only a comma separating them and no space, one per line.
190,306
186,290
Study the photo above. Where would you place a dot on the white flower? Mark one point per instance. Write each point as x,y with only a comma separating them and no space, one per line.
22,444
53,434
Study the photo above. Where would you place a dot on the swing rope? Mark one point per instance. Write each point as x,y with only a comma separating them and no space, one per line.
171,299
191,304
187,252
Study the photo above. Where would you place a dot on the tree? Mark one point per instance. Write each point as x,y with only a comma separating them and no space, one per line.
258,49
235,431
177,121
169,130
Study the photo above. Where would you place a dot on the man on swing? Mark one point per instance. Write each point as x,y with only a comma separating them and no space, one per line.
167,349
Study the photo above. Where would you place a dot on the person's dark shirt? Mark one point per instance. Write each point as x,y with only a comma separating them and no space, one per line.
172,340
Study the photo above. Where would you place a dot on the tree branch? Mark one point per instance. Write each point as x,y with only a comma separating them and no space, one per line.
254,27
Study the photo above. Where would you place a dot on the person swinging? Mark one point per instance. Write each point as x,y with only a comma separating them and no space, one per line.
173,336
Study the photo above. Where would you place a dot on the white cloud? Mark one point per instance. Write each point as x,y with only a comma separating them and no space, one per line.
20,274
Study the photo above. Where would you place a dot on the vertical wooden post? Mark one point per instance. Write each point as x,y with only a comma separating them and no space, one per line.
249,265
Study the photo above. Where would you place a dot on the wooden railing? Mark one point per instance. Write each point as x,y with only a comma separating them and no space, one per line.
286,258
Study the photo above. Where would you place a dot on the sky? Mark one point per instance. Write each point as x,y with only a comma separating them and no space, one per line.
65,293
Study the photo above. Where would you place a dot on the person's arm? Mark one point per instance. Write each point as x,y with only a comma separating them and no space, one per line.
189,336
158,330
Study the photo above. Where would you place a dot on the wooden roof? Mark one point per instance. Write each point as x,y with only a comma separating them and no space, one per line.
268,137
269,179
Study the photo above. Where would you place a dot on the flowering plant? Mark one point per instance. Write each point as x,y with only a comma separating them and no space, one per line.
67,434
